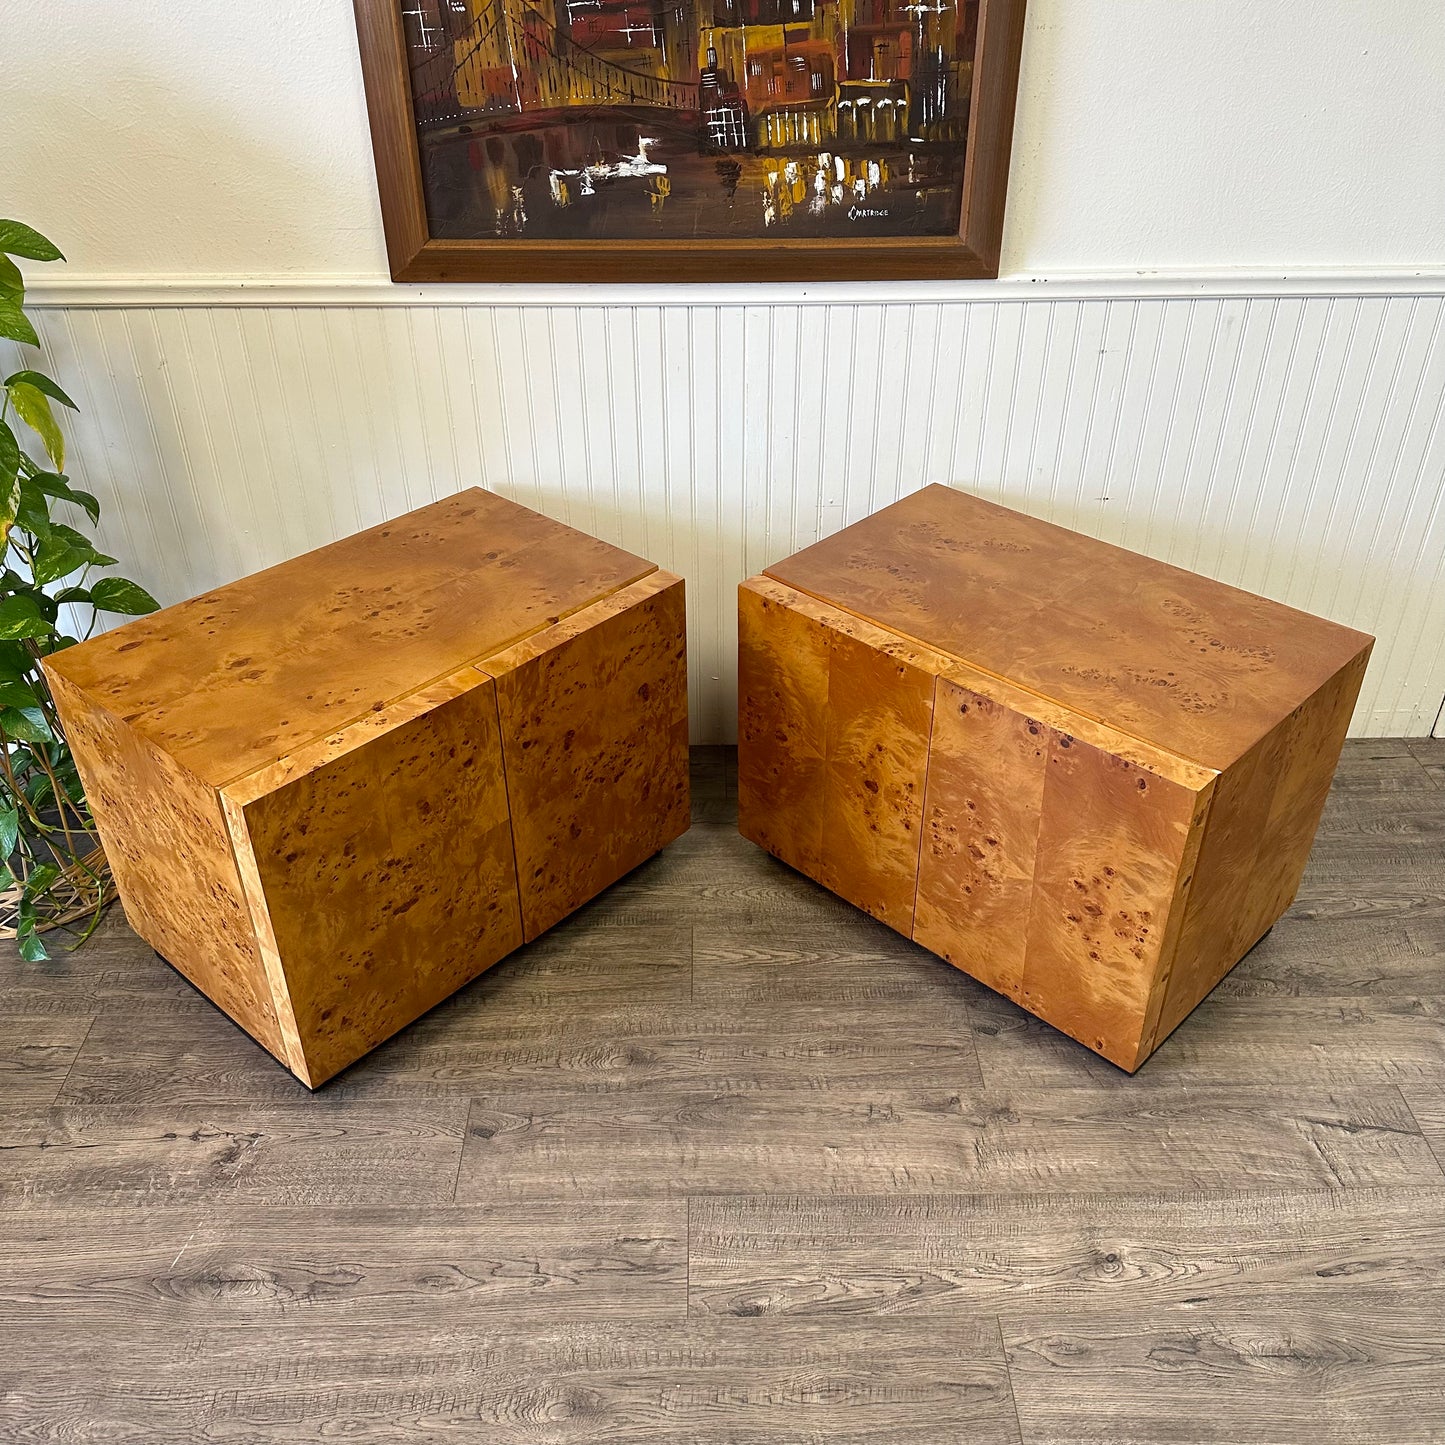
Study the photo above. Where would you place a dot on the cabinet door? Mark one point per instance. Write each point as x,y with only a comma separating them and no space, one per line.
833,728
593,714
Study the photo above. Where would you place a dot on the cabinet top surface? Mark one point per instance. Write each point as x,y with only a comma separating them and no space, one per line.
1177,659
240,676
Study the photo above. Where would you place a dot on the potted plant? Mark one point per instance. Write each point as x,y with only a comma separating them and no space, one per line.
53,871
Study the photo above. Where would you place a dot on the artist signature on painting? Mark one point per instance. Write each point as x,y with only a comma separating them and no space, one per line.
866,213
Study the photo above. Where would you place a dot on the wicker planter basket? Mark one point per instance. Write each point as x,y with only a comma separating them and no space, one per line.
83,888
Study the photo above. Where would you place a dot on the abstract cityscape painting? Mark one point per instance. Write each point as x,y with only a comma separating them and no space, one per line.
645,139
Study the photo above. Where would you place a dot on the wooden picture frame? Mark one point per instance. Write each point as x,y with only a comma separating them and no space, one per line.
416,254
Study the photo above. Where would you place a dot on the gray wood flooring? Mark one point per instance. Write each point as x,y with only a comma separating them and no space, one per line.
721,1160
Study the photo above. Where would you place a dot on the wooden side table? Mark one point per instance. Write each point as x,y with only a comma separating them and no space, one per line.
335,791
1086,778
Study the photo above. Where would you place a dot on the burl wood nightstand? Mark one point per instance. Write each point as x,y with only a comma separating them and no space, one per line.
334,792
1086,778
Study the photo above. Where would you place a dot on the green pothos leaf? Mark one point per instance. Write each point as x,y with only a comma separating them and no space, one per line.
88,502
15,693
9,456
25,724
116,594
9,506
41,382
55,485
82,544
56,558
9,483
33,513
39,789
41,877
18,239
32,406
30,945
21,617
12,283
15,662
15,324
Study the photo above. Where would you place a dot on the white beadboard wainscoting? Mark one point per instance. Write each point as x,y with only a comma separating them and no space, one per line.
1291,445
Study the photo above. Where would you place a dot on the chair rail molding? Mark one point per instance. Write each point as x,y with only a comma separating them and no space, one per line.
367,289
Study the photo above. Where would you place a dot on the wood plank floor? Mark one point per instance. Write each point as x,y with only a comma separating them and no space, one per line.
722,1160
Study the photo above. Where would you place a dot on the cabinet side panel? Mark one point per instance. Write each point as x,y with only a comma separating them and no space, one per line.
1221,923
981,821
1113,838
782,725
168,847
594,732
1257,840
1314,738
387,874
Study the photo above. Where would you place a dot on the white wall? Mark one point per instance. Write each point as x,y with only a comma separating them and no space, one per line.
1231,218
154,138
1196,135
205,139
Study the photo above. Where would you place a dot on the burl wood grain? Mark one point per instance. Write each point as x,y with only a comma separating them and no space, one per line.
1052,863
233,679
1125,763
986,776
880,707
304,784
171,855
594,735
1261,827
1176,659
783,666
385,869
1111,856
858,702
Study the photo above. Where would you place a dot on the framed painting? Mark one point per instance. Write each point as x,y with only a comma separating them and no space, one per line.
670,140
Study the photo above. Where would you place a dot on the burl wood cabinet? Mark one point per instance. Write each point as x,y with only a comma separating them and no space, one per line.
1086,778
335,791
